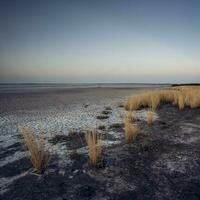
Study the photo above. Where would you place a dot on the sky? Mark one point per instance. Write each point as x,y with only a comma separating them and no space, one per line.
99,41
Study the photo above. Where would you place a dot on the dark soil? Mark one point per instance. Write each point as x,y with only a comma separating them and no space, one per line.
117,127
121,105
106,112
10,150
74,140
101,127
108,108
162,163
15,168
102,117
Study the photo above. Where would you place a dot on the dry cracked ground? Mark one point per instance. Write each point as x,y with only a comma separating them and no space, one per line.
162,163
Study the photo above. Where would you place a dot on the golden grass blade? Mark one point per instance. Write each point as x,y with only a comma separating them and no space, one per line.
130,116
178,96
94,146
38,155
155,101
130,130
150,117
181,101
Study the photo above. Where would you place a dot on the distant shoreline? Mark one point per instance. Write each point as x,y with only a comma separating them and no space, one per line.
84,83
186,84
99,84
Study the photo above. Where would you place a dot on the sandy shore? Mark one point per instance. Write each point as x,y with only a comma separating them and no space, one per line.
57,111
162,163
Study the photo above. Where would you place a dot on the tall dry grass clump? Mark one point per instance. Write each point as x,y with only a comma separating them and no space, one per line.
130,116
181,101
177,96
130,130
94,146
167,96
150,117
194,101
148,99
39,156
154,100
133,103
192,97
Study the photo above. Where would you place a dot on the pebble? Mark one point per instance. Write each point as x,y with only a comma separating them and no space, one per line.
62,172
75,171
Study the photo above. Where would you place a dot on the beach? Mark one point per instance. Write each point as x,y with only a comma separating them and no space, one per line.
57,109
99,100
163,157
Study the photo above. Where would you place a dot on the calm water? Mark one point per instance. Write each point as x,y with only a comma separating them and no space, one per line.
23,88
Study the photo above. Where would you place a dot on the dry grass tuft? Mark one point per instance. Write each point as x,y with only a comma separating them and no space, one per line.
130,130
148,99
130,116
194,101
133,103
181,101
150,117
179,96
94,146
154,101
36,146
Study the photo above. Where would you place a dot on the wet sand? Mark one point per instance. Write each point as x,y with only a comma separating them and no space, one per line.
58,111
162,163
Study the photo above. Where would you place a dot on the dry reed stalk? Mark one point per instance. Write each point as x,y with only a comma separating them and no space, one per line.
190,96
39,157
150,117
130,131
130,116
155,100
195,102
133,103
94,146
181,101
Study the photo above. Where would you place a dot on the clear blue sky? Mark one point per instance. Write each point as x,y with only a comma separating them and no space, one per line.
100,41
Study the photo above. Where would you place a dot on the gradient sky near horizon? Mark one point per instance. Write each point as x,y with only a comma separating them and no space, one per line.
100,41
